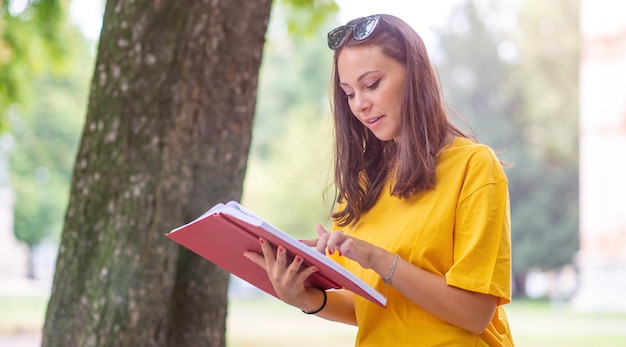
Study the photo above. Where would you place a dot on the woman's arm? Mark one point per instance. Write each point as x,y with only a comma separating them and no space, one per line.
469,310
466,309
288,282
339,305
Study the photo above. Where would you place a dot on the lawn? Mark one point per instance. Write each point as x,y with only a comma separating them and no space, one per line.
264,321
21,314
540,324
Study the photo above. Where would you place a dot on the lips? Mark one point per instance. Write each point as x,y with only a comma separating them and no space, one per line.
373,120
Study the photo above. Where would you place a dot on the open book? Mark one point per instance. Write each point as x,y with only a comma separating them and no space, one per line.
226,231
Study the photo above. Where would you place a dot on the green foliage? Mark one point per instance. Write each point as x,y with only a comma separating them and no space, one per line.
548,42
290,160
45,147
305,17
517,93
287,187
549,63
294,72
32,41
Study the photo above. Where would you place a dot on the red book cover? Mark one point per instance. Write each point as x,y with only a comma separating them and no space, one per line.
226,231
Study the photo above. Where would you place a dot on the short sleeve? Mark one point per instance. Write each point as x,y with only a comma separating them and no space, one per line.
482,240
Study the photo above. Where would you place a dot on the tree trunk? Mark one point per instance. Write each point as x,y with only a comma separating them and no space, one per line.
519,284
30,263
166,137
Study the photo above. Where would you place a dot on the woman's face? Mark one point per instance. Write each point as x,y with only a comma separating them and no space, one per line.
374,87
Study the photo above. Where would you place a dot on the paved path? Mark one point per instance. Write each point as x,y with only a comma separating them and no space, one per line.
22,340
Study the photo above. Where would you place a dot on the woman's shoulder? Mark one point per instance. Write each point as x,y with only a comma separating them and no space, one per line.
468,155
467,147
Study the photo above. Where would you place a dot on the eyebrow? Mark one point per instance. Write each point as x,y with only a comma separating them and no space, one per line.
362,76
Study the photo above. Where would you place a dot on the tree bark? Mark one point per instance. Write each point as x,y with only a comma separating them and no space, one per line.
166,137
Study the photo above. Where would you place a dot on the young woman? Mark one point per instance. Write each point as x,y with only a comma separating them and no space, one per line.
422,210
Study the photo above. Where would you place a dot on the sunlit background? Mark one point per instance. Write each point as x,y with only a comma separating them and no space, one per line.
542,82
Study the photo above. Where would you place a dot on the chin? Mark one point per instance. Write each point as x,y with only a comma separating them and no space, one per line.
385,137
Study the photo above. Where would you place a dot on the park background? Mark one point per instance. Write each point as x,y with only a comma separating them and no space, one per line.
512,68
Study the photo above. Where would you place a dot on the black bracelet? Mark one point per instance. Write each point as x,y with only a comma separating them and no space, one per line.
323,304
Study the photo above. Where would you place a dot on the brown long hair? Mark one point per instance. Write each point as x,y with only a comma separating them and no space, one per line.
363,163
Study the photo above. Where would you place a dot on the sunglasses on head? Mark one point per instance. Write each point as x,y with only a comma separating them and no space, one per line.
361,30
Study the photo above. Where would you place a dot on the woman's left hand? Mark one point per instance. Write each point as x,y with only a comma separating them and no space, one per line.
287,277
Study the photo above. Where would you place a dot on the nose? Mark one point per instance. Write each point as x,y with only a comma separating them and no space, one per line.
361,104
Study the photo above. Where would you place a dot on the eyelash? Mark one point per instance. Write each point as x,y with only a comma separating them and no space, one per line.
370,87
374,85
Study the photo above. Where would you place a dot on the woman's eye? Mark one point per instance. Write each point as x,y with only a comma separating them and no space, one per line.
350,96
374,85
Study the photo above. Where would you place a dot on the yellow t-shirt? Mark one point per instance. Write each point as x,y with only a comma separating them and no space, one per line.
459,230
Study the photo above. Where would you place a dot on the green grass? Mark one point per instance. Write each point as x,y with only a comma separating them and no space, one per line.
264,321
22,314
534,323
538,323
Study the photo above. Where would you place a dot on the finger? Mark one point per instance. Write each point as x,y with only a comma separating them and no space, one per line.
319,244
310,242
320,230
268,252
335,241
347,248
256,258
295,265
322,242
281,256
305,273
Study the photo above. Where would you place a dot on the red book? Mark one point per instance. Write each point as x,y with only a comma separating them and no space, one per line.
226,231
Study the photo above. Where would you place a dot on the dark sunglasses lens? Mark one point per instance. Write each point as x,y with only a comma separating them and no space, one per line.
337,36
360,31
364,29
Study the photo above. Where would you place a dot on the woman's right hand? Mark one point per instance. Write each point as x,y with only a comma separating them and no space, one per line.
364,253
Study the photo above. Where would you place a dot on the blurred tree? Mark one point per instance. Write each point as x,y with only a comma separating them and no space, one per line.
548,44
167,136
290,156
304,17
43,154
39,90
287,186
492,65
32,36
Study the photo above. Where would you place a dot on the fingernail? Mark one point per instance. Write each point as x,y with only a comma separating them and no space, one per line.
330,251
261,241
301,240
281,249
298,259
339,253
